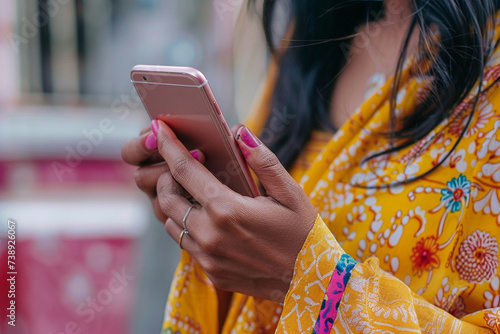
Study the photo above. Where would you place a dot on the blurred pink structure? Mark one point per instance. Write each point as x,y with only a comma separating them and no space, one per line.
76,255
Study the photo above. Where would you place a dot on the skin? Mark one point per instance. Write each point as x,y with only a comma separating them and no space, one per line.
375,49
243,244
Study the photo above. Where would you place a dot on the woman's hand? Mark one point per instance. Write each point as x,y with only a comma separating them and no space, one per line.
243,244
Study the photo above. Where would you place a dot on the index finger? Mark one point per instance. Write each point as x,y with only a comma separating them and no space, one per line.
186,170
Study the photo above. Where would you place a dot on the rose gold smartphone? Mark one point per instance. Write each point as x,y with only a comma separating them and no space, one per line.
182,98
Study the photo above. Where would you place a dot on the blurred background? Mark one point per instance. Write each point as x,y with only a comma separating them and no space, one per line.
90,255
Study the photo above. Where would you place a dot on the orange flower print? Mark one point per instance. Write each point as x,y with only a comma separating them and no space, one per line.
477,258
457,308
424,256
492,319
492,73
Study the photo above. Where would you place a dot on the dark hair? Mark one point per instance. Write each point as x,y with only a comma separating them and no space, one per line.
317,52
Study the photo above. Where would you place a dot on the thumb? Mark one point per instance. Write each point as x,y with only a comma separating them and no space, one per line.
271,173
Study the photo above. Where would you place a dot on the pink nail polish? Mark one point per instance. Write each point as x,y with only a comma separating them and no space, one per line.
154,127
249,138
151,142
195,155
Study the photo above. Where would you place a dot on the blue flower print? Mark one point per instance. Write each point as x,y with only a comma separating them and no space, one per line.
458,190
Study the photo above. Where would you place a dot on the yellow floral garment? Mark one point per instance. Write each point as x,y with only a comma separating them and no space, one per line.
415,258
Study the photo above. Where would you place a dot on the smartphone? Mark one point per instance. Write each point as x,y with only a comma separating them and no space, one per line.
181,97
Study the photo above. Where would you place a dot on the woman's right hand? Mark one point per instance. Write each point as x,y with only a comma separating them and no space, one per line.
142,151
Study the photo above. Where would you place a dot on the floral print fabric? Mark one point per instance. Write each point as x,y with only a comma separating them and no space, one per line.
477,259
426,251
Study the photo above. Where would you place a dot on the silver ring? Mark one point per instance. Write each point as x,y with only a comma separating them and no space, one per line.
186,217
184,232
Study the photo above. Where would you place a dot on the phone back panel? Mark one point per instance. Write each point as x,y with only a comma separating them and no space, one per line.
185,102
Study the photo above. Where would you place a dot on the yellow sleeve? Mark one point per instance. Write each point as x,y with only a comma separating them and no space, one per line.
192,301
331,293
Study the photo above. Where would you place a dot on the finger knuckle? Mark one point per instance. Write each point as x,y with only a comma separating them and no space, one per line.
222,213
140,178
167,204
294,193
211,244
211,268
163,184
214,271
268,161
181,169
163,143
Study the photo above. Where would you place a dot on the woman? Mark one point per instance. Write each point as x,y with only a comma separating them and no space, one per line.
386,113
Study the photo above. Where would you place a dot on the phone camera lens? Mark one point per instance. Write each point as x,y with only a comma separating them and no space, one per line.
145,79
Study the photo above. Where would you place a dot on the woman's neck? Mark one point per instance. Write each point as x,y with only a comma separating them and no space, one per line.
374,55
397,11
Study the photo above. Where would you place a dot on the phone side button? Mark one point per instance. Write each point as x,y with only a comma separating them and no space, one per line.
228,130
216,106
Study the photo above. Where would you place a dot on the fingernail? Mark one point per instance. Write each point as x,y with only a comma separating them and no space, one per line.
151,142
249,138
196,155
154,127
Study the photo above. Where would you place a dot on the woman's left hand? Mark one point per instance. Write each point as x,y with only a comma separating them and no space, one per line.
243,244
